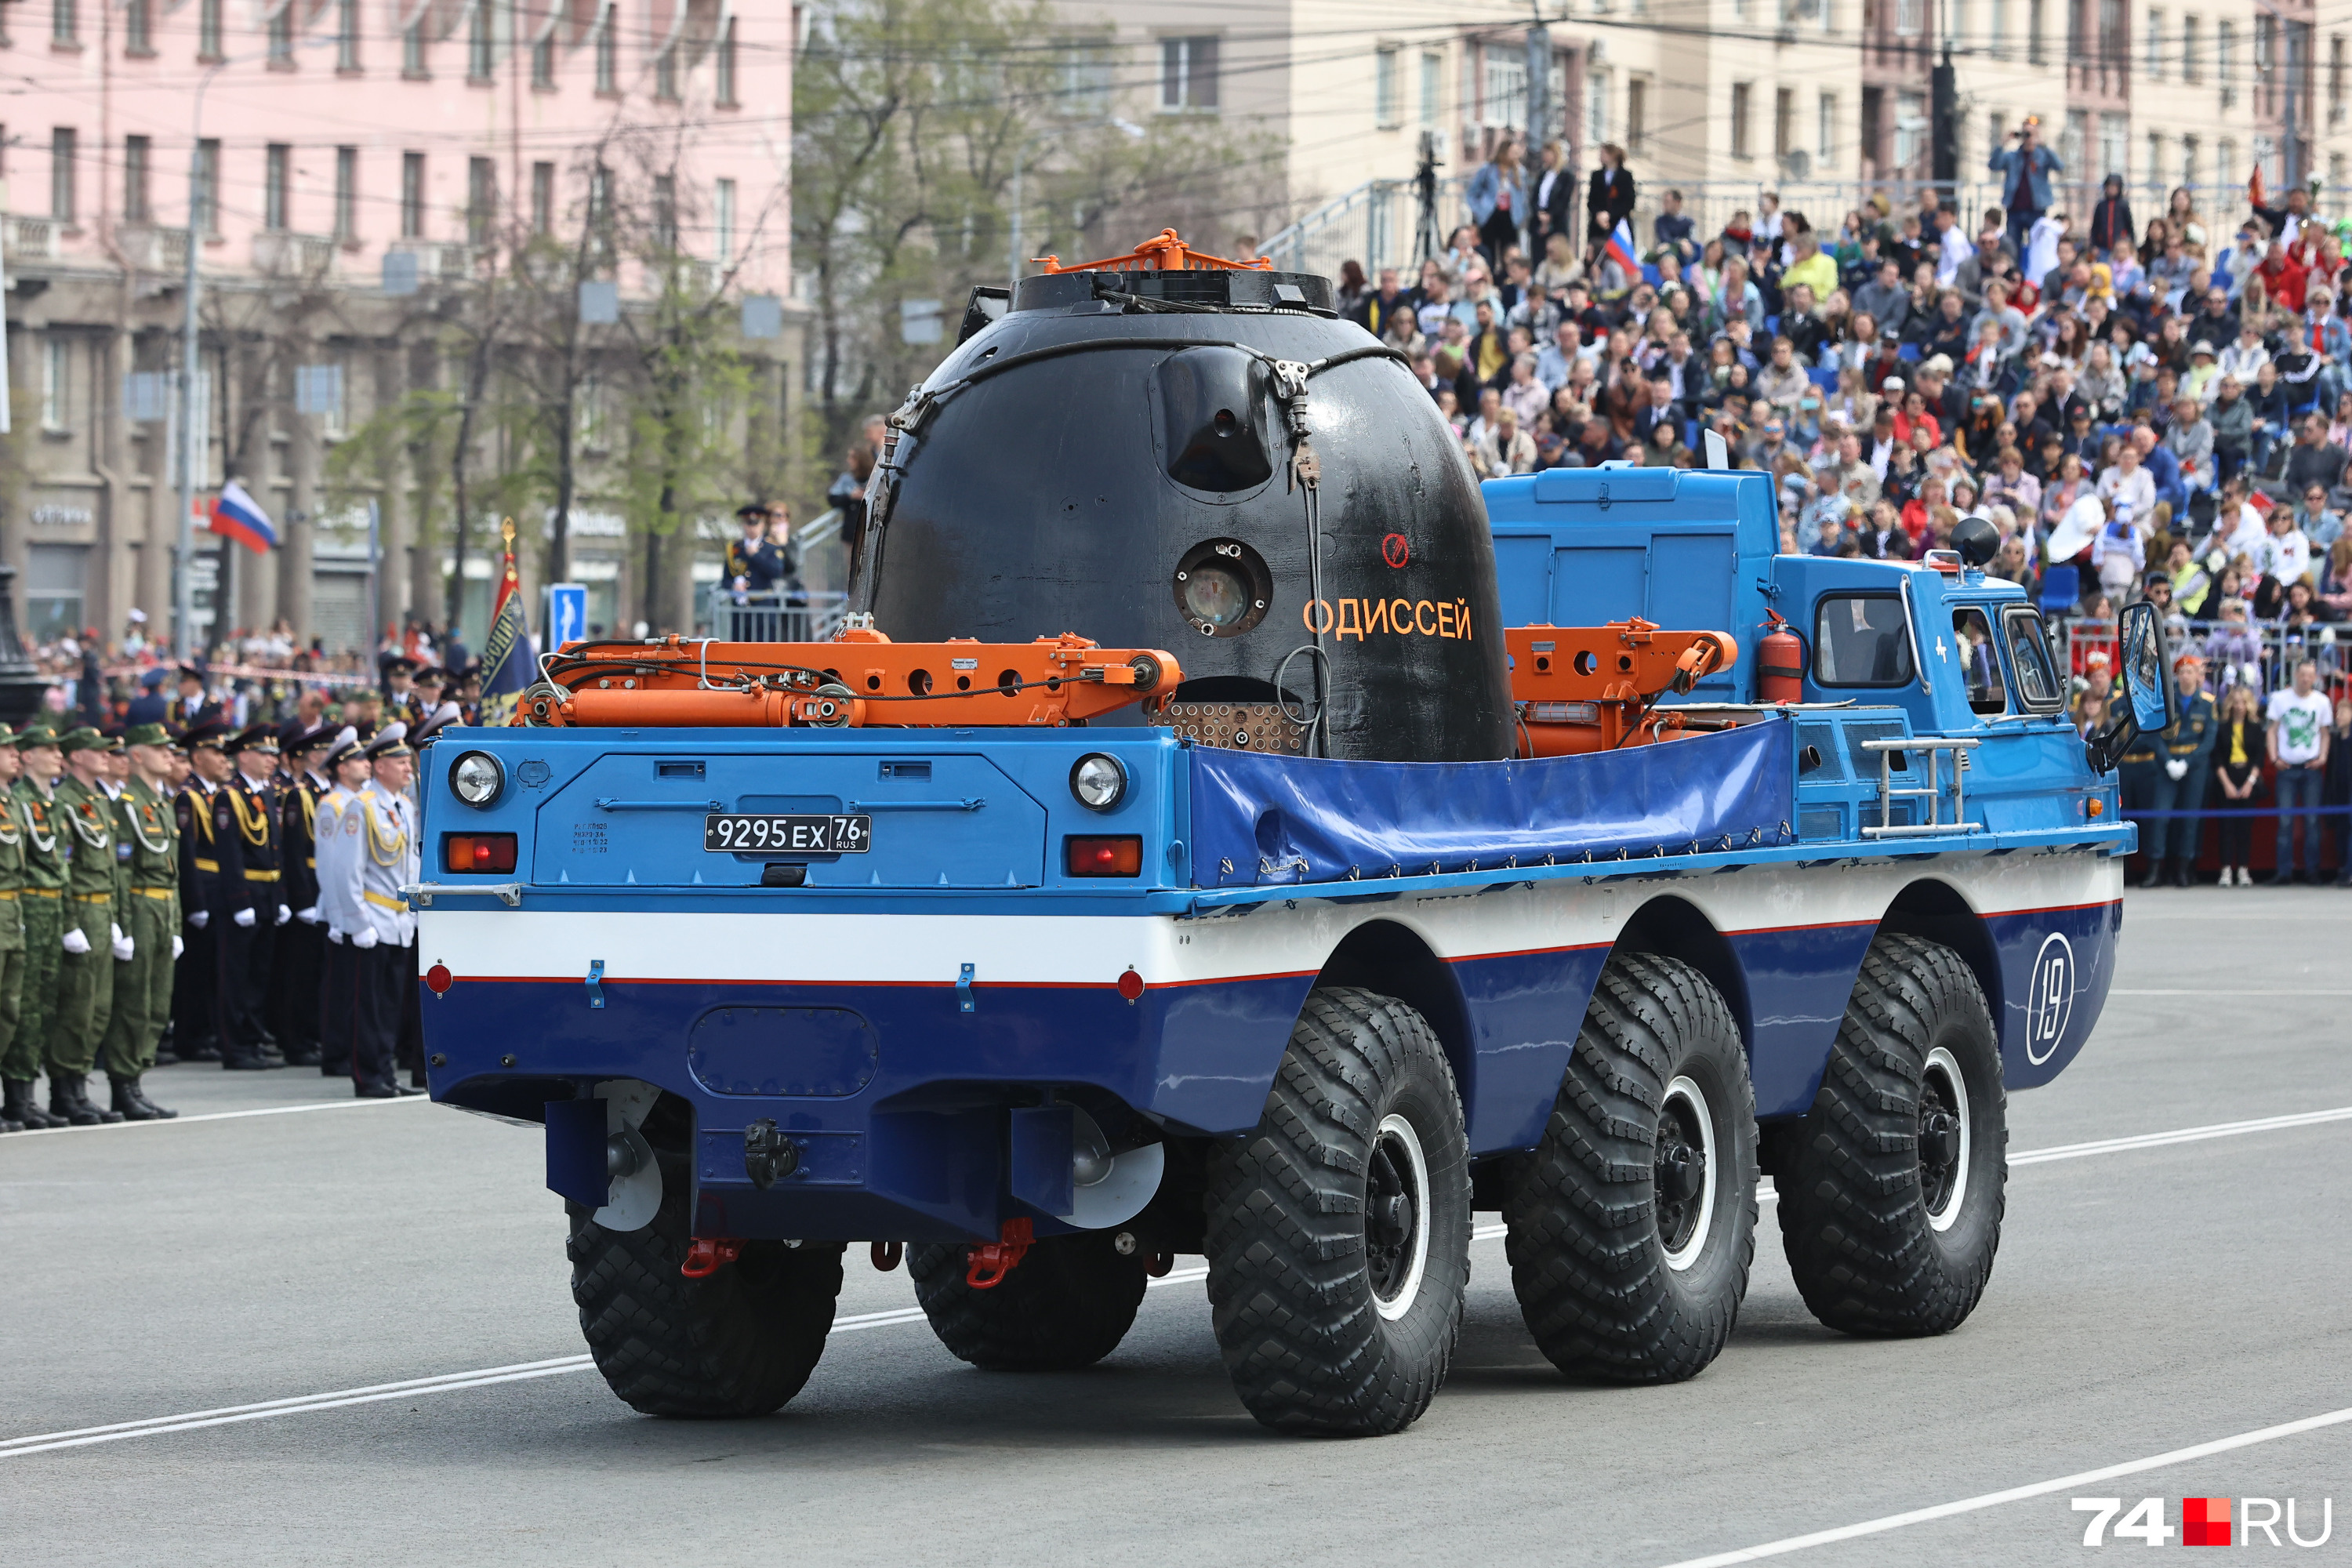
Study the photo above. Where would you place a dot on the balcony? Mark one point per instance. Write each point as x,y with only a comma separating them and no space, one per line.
34,239
437,262
148,248
286,255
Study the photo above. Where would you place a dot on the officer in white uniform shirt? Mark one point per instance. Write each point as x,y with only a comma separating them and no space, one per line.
347,769
380,857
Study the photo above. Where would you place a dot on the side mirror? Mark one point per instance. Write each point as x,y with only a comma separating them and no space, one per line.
2147,693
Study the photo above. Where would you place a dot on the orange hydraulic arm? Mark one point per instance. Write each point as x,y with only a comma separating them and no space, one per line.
1595,688
861,678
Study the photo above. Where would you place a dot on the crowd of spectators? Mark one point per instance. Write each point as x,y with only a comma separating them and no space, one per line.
2161,410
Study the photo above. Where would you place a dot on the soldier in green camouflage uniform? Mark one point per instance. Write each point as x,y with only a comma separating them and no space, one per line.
84,826
44,906
20,1053
147,843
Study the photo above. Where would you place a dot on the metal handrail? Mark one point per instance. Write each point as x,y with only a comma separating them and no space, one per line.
1932,792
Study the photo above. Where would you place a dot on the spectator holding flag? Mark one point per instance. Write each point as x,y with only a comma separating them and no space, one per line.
1609,200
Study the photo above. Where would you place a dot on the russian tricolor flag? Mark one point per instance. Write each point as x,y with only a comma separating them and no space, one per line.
236,515
1621,249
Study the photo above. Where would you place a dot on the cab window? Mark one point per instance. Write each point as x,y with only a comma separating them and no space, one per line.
2039,689
1861,639
1980,661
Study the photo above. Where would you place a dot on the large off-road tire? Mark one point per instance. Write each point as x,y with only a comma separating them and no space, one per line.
1633,1223
739,1342
1891,1190
1068,1305
1339,1230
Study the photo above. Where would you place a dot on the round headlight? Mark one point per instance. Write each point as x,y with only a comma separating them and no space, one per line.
477,778
1098,781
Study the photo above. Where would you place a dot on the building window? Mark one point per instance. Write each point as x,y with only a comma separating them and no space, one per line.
208,29
411,195
1637,112
2035,53
138,158
2266,41
608,63
722,214
1188,74
542,198
277,169
1084,67
65,22
281,35
412,50
1997,30
481,199
2156,161
1387,94
2155,46
137,28
2074,142
1910,127
2336,77
2192,65
2335,174
478,38
723,72
1909,17
2114,146
2189,172
1784,121
1432,88
346,193
665,212
1740,93
207,213
2226,170
1596,107
1826,132
2225,48
666,75
61,174
543,62
56,365
347,35
2114,45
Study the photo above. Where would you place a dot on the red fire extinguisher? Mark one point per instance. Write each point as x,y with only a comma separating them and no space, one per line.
1780,664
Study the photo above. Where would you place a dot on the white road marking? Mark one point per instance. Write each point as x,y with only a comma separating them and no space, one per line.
2015,1494
447,1383
353,1104
2271,994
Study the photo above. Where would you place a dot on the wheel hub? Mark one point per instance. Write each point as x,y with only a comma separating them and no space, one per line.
1396,1233
1682,1180
1942,1135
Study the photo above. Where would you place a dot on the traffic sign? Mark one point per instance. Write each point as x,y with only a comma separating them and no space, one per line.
567,613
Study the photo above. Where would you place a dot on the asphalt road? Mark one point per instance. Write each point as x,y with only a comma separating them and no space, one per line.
2147,1300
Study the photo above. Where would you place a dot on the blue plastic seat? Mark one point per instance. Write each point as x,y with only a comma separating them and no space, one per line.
1651,275
1824,376
2061,587
1909,353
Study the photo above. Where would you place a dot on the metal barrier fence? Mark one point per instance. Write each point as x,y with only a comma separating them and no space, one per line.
775,617
2262,657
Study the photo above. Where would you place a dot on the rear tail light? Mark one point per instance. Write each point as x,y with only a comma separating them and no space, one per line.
1118,854
477,852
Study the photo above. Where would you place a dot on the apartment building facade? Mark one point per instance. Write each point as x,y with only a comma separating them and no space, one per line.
336,162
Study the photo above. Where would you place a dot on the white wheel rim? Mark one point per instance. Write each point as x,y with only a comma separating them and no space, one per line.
1942,1064
1398,1135
1689,1093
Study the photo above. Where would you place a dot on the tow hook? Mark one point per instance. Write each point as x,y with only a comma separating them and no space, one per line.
768,1155
706,1255
991,1262
887,1254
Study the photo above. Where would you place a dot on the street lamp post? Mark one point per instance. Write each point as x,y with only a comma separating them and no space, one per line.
185,633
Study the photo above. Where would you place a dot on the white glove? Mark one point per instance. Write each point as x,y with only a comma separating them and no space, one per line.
201,918
113,932
284,914
178,947
244,918
75,941
2177,768
125,948
334,936
364,940
308,917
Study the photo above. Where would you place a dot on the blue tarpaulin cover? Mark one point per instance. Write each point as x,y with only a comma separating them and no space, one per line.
1259,818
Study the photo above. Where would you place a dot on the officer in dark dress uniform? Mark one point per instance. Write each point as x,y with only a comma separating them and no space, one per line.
302,944
247,910
195,1034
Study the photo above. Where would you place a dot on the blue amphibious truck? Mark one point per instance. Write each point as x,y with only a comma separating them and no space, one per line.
1329,1011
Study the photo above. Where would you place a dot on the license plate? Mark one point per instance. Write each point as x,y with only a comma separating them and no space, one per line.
797,833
